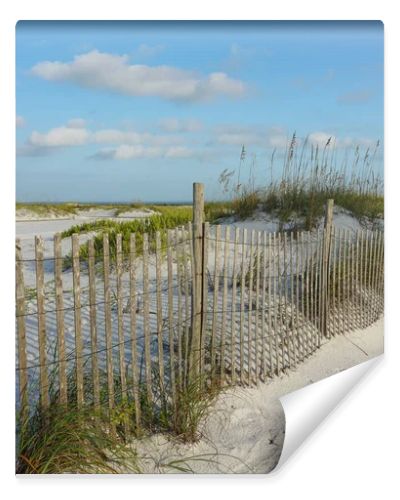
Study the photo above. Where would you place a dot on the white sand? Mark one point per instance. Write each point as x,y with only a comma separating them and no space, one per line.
244,432
26,215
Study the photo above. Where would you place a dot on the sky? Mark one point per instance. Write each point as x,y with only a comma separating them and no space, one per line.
138,111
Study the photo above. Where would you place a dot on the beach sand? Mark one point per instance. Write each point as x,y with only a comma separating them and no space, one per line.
244,432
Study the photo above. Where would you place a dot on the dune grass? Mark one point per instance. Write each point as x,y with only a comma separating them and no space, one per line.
72,208
47,209
168,217
65,438
309,175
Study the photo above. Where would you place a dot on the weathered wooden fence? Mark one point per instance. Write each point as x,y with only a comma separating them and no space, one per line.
111,321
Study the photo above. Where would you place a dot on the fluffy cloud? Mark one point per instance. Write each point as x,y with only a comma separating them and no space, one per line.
112,72
76,123
274,137
175,125
74,133
20,121
130,152
126,152
115,136
60,136
178,152
321,139
127,144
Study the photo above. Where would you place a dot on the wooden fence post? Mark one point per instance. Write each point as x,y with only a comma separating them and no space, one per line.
21,330
198,220
326,264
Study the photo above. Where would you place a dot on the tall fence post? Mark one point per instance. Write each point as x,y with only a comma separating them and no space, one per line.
198,248
328,224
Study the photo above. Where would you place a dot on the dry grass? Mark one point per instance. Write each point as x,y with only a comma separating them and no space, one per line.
309,175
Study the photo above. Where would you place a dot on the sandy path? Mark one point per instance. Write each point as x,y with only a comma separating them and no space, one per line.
244,432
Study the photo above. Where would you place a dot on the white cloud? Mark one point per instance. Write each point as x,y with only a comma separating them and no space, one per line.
76,123
60,136
20,121
178,152
278,140
31,151
115,136
349,142
239,138
114,73
127,152
175,125
130,152
74,133
274,137
321,139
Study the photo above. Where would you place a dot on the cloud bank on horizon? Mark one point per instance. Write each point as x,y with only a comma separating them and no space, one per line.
101,109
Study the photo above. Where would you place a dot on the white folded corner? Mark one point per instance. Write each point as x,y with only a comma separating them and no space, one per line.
307,408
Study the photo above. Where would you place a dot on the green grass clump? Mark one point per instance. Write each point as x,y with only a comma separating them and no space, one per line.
309,175
169,217
215,210
46,209
120,209
193,404
151,225
366,206
67,440
245,203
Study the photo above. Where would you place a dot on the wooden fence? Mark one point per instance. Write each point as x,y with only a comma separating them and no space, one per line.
109,322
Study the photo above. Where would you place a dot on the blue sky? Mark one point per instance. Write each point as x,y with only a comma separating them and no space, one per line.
124,111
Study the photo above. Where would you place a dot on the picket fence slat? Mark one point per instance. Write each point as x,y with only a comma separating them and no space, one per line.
62,367
120,325
224,303
93,324
108,327
171,316
272,362
242,303
146,320
21,330
133,325
186,291
233,301
179,326
160,340
42,340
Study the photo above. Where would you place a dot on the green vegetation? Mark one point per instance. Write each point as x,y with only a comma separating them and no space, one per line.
306,182
68,439
168,217
72,208
245,203
47,209
120,209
